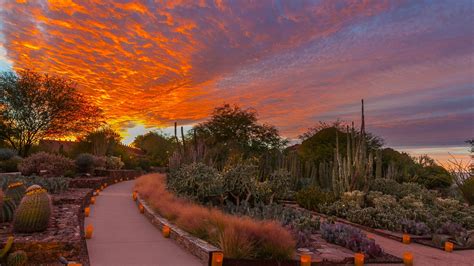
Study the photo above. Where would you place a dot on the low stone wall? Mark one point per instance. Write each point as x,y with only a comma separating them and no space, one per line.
194,245
108,176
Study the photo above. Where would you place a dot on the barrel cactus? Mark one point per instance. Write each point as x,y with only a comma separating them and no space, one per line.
17,258
15,191
7,210
34,211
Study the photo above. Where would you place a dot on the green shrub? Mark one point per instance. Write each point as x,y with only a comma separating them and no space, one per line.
355,196
311,198
51,164
114,163
7,154
10,165
467,190
85,163
197,181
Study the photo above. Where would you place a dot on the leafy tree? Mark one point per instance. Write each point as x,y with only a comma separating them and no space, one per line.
35,106
100,142
234,129
319,142
156,146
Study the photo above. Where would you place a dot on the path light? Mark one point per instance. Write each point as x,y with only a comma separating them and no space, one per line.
305,260
406,239
166,231
97,192
92,200
370,236
217,258
89,230
74,264
141,208
448,246
134,195
408,258
358,259
87,211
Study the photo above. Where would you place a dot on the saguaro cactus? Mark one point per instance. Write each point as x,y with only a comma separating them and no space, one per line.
34,211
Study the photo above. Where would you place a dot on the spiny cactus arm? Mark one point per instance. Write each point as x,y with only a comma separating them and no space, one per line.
7,247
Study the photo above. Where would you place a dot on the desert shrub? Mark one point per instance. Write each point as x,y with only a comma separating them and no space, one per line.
467,189
312,197
114,163
197,181
10,165
238,236
351,238
279,184
53,185
85,163
355,196
6,154
52,164
415,228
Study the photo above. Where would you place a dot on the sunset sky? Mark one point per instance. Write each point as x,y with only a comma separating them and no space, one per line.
150,63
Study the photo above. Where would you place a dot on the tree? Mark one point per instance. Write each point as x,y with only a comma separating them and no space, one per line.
34,106
156,146
238,128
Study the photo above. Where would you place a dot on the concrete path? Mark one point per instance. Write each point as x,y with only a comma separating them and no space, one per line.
423,255
123,236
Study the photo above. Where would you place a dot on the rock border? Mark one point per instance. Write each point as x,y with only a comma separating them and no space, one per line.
196,246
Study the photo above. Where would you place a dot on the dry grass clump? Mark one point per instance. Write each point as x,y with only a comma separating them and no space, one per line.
238,237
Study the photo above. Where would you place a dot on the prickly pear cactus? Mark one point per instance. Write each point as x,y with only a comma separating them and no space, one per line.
15,191
34,211
17,258
7,210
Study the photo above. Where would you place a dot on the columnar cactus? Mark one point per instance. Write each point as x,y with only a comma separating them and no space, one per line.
17,258
34,211
15,191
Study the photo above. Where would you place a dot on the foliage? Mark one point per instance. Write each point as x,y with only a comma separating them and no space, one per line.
312,197
238,236
234,130
197,181
156,146
35,106
240,182
101,142
467,189
52,164
53,185
85,163
114,163
415,228
351,238
10,165
34,211
6,154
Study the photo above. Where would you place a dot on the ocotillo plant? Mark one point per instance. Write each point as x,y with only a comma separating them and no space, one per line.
34,211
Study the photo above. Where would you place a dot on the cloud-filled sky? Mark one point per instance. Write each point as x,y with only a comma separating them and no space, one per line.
150,63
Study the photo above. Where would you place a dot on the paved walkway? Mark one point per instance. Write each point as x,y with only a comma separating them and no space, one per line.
123,236
423,255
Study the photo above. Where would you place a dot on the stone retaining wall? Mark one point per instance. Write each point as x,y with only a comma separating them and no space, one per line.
194,245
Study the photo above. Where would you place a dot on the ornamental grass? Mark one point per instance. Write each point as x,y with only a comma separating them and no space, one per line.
238,237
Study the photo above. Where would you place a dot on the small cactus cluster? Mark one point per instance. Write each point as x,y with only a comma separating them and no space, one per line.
17,258
34,211
15,191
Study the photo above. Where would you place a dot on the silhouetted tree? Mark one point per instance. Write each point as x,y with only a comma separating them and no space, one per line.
35,106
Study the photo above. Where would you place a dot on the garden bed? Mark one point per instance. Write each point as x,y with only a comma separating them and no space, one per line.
322,250
64,237
423,240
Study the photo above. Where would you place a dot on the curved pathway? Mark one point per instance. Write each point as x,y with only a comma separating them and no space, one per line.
123,236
